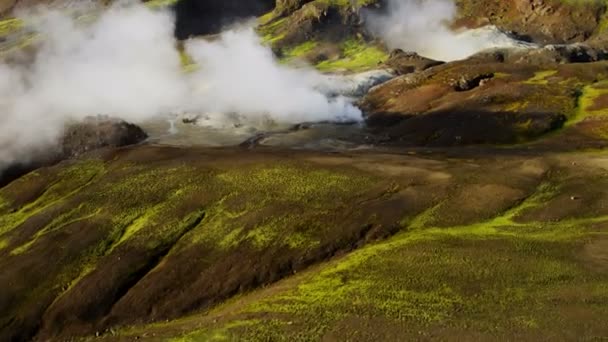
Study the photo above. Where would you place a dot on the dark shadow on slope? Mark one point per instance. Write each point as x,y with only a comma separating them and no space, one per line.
463,127
202,17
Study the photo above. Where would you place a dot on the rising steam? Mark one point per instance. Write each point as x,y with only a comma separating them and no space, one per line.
124,64
423,26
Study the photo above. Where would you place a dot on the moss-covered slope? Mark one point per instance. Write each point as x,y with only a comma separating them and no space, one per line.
155,233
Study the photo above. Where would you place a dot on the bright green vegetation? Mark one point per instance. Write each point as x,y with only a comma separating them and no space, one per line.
16,25
299,51
188,64
271,32
69,182
356,56
586,101
147,207
350,53
347,3
160,3
11,25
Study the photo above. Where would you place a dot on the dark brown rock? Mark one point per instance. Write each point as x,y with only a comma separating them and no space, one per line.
95,133
79,138
407,62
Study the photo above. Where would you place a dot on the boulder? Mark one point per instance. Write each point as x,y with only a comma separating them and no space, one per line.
407,62
79,138
287,7
543,21
95,133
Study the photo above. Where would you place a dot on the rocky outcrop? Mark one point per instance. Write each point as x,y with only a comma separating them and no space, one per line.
6,6
543,21
287,7
95,133
408,62
482,101
79,138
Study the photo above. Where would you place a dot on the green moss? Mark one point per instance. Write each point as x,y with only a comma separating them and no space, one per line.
188,64
356,56
541,77
222,334
459,277
58,223
3,244
160,3
8,26
586,100
442,279
288,204
273,32
300,50
70,181
266,18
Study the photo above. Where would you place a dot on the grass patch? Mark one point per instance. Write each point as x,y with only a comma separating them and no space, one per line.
541,77
299,51
356,56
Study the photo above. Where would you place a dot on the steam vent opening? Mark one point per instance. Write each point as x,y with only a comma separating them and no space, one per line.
202,17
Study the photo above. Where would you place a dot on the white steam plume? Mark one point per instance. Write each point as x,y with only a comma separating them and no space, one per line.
124,64
423,26
241,76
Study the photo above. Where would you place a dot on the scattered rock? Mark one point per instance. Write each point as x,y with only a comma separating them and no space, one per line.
408,62
467,82
79,138
95,133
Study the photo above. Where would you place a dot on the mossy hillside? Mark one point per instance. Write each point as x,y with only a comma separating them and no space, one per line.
90,224
519,273
18,37
289,204
341,48
69,182
487,285
495,278
356,55
553,21
122,207
528,101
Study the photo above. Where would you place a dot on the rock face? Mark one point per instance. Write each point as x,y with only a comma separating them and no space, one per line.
80,138
480,101
95,133
408,62
544,21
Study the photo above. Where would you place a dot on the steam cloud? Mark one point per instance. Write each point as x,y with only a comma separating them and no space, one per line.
423,26
124,64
